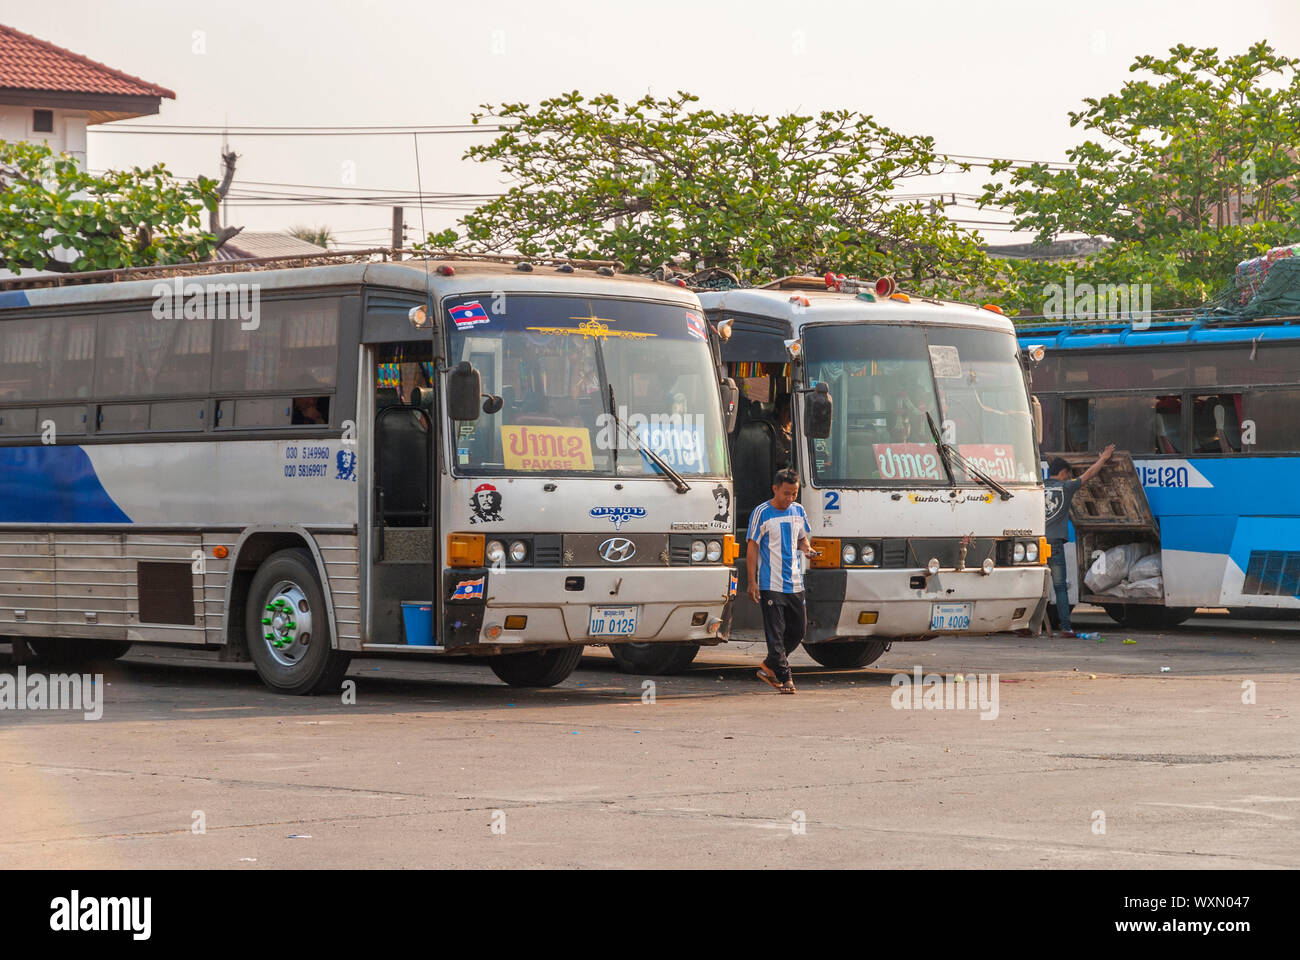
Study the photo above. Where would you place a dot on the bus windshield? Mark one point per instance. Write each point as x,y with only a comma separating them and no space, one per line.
565,366
889,381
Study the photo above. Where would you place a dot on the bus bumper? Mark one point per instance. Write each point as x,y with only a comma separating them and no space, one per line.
554,606
840,600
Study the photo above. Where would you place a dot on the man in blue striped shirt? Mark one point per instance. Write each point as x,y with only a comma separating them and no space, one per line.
778,533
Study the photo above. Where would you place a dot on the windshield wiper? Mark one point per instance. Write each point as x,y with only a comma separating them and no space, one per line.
944,452
947,450
634,442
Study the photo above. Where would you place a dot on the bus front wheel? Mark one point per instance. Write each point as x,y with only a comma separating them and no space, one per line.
653,659
536,668
847,653
288,628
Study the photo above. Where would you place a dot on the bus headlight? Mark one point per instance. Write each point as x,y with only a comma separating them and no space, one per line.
849,554
1031,551
987,566
518,551
1017,552
715,551
698,551
496,552
933,566
868,554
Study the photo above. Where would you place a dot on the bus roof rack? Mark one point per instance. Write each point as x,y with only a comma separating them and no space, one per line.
796,282
325,258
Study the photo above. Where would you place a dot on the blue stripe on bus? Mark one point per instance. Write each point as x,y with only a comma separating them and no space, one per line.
1066,338
1197,534
13,298
1272,534
53,484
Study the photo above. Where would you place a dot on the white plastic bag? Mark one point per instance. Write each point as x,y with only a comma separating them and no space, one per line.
1112,566
1145,568
1152,588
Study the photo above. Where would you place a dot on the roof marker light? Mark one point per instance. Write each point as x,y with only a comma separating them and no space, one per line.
995,308
447,270
900,297
800,299
885,287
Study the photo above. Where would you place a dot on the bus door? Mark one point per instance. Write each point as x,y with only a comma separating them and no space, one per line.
403,491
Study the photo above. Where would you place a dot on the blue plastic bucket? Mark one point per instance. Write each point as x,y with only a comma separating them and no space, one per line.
417,617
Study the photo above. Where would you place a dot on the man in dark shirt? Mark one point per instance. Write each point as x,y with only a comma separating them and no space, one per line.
1059,489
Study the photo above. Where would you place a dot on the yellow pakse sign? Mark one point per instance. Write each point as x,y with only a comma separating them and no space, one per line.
546,448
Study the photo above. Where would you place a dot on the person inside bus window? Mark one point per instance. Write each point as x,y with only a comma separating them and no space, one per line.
1059,489
310,410
782,443
900,427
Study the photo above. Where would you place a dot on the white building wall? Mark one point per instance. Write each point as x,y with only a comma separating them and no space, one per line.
68,136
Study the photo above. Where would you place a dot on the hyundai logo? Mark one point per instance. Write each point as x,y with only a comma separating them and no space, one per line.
618,549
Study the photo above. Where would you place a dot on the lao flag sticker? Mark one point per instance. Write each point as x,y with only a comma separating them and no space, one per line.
468,590
695,326
466,316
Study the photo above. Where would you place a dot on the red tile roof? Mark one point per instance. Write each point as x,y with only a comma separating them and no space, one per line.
27,63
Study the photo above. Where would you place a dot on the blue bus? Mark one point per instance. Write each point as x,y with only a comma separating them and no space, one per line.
1209,411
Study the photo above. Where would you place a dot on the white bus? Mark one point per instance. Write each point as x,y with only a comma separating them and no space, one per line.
924,495
296,463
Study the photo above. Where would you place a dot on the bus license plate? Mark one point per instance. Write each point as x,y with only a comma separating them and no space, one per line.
613,621
950,616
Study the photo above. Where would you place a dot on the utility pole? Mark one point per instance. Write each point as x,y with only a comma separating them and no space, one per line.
397,231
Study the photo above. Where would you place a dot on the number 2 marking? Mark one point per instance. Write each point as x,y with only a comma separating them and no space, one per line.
832,500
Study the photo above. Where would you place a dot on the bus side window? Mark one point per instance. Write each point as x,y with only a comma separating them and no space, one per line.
1076,422
1051,423
311,410
1216,423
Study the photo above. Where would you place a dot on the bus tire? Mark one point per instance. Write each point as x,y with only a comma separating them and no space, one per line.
847,653
288,629
653,659
536,668
1143,616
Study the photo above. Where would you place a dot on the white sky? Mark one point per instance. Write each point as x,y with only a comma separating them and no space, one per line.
983,77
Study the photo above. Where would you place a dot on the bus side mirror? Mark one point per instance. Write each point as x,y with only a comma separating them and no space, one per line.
730,403
817,413
464,387
1038,420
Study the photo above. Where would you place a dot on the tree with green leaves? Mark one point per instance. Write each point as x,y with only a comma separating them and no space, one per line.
1187,171
57,216
660,180
322,236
